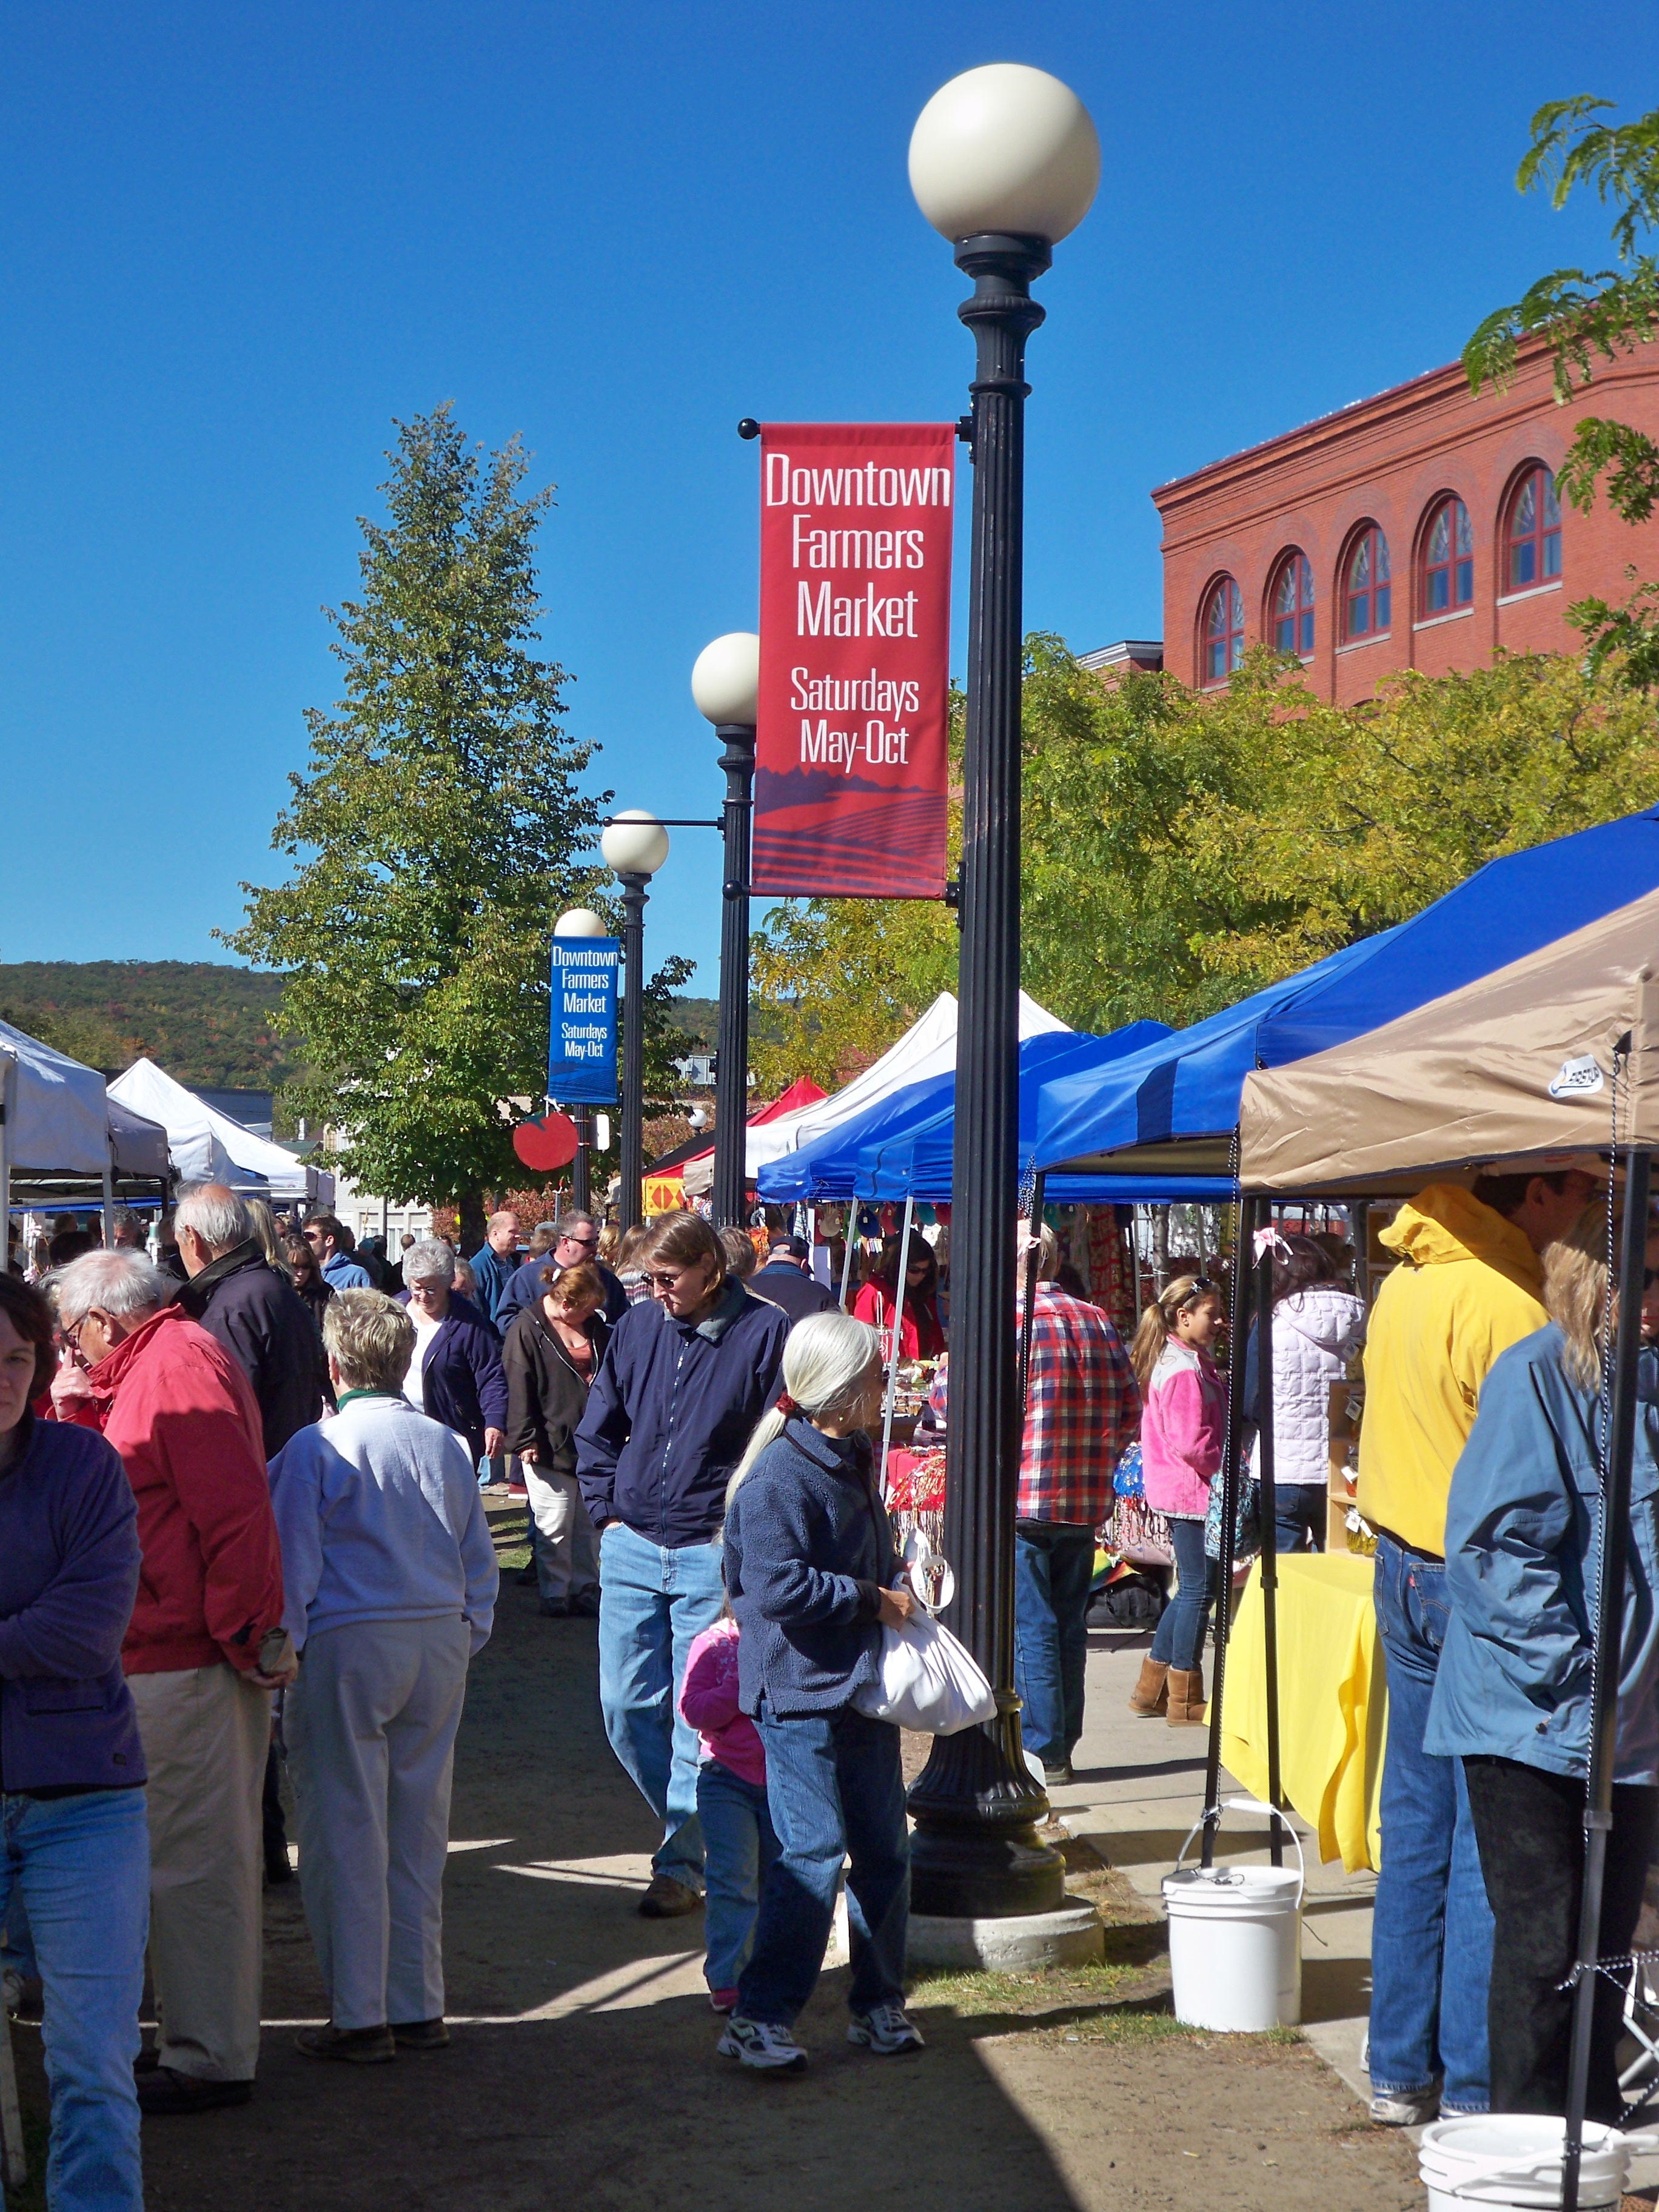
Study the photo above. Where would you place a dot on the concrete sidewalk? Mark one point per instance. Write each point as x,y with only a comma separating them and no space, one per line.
1140,1788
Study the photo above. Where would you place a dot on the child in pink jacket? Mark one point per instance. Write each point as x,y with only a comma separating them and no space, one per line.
738,1844
1183,1427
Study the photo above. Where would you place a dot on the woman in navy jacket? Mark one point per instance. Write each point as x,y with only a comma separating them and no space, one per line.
456,1376
809,1569
76,1845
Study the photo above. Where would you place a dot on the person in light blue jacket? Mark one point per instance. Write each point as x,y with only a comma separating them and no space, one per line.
1512,1692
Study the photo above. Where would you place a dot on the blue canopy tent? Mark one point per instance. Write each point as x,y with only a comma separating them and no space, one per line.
1172,1108
914,1160
829,1167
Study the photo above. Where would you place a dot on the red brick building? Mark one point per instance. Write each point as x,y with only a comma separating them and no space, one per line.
1419,529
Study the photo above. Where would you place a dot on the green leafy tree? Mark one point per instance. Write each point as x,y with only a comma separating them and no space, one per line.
1179,849
1584,316
435,835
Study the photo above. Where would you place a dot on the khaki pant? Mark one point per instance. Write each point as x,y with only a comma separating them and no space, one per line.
370,1729
568,1555
205,1735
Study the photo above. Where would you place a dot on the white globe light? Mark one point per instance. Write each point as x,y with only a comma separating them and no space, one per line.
635,844
580,921
1004,148
725,678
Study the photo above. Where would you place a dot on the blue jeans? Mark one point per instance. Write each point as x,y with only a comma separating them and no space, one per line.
1299,1517
835,1792
1432,1926
81,1865
740,1847
1053,1566
652,1602
1179,1641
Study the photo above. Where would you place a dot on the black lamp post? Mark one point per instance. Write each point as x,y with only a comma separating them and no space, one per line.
580,921
724,683
1004,161
635,846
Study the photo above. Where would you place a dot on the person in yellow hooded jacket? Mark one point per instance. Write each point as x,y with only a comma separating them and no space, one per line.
1466,1289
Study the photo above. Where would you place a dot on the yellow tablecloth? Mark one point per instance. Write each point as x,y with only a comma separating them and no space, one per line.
1333,1700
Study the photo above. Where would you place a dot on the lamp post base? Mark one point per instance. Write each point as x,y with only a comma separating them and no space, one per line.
976,1854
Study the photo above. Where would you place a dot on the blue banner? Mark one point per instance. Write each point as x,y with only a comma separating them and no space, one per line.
582,1051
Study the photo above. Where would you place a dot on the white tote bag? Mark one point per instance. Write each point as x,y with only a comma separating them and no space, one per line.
930,1681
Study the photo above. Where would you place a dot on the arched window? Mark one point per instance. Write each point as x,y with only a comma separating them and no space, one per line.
1293,606
1223,630
1532,539
1366,586
1448,560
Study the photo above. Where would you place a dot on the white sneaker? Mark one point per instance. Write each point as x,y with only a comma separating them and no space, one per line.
884,2029
1415,2108
758,2043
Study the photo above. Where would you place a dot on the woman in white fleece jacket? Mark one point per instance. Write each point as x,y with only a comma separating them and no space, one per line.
389,1580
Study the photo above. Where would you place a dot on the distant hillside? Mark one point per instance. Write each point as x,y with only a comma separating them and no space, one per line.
205,1022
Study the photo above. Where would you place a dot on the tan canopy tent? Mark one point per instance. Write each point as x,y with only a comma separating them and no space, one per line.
1519,1066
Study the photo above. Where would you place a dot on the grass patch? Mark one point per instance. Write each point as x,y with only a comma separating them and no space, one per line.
1047,1990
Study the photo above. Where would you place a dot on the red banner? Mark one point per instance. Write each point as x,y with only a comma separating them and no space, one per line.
854,660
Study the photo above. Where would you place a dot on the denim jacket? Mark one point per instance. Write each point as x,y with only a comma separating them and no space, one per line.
1522,1524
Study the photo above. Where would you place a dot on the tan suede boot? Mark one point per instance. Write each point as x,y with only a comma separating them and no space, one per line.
1186,1707
1151,1693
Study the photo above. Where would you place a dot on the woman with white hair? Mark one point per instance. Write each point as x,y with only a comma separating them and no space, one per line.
455,1373
390,1590
810,1569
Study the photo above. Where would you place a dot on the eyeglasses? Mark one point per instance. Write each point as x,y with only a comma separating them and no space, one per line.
663,1282
582,1243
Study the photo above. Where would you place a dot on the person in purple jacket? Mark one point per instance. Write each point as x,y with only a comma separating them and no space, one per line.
456,1376
72,1818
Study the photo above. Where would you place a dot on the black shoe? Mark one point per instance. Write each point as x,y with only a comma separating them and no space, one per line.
358,2046
420,2034
162,2092
1053,1775
554,1608
667,1899
527,1576
585,1606
277,1871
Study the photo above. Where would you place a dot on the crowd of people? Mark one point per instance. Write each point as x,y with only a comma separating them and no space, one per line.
241,1483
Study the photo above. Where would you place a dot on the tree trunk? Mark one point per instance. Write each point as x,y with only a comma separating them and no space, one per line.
1160,1247
471,1209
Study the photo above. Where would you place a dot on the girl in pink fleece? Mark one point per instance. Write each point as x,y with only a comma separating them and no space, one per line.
1182,1430
738,1844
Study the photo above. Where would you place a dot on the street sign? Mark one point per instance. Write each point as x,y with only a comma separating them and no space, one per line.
581,1053
854,660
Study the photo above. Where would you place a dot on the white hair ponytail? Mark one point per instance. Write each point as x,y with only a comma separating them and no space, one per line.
825,1363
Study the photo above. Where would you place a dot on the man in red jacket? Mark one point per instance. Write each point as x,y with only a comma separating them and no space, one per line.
204,1651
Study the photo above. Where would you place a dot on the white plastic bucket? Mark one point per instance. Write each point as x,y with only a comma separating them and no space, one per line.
1235,1939
1511,2163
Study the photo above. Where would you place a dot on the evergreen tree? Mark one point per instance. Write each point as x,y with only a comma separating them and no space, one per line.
436,836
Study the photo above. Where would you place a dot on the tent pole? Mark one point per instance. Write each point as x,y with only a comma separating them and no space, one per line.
893,1351
1264,1468
1612,1549
1244,1211
8,1087
1029,1318
109,1206
849,1238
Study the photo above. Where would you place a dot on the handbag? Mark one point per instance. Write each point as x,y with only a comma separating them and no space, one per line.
1127,1478
929,1682
1247,1520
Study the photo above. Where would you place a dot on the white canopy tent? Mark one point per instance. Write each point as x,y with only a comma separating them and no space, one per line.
52,1119
206,1146
929,1047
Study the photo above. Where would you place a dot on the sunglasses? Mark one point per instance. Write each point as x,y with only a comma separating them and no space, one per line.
663,1282
1202,1288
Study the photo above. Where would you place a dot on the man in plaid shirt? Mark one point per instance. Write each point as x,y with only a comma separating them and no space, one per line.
1082,1410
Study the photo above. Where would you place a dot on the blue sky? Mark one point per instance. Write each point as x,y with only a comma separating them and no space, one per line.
236,241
